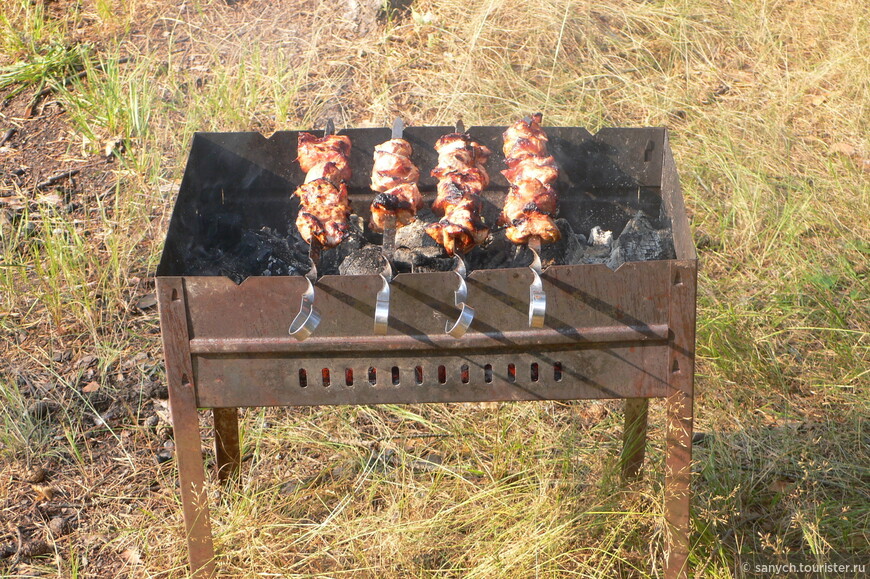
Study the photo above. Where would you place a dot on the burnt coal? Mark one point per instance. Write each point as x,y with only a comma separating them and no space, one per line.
263,252
416,251
331,259
267,253
364,261
641,240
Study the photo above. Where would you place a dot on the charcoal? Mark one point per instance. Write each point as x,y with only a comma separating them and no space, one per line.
364,261
264,252
331,260
416,251
594,254
575,248
640,240
496,251
414,236
556,253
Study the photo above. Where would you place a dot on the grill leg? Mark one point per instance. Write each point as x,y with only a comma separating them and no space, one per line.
226,440
678,446
678,458
185,425
191,475
634,437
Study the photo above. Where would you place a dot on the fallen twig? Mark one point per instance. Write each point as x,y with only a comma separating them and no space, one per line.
55,178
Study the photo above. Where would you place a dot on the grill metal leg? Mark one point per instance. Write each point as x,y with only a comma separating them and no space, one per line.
226,441
679,410
634,437
191,475
678,458
185,425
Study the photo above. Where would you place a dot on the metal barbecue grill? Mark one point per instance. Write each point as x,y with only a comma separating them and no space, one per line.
627,333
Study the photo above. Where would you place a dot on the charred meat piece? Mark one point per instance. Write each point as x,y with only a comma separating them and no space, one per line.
394,177
462,176
403,201
324,208
532,200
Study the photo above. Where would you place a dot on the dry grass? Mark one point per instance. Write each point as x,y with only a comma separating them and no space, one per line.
769,107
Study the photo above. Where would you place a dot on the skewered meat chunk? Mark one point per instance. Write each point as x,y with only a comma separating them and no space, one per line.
324,212
403,201
324,208
461,178
541,168
393,165
460,229
395,177
317,151
525,139
532,200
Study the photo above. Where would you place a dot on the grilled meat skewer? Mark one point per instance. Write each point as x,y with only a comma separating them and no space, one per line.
461,178
394,177
532,200
324,211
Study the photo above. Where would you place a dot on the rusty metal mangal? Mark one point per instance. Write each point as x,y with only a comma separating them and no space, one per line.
628,333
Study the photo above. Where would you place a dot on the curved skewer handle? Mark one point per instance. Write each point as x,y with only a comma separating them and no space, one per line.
382,305
466,312
537,297
308,318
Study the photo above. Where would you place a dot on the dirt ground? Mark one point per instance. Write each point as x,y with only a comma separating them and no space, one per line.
109,422
96,465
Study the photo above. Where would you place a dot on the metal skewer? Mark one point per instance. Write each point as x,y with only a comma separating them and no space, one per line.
382,305
466,312
308,318
537,297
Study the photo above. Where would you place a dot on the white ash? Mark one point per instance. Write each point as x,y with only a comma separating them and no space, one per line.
640,240
598,236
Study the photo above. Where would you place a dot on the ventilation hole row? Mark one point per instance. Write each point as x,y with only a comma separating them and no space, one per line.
464,375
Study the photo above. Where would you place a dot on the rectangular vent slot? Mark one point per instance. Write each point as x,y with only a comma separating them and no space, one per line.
469,372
